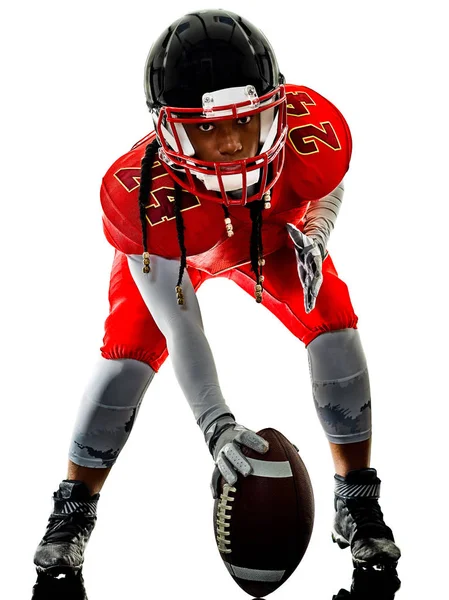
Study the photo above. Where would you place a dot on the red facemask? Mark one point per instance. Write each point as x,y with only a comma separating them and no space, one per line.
231,183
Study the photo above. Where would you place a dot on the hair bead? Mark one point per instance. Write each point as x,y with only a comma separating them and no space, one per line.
229,227
266,199
179,294
146,262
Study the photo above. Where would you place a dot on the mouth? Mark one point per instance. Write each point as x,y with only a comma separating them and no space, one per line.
231,166
229,169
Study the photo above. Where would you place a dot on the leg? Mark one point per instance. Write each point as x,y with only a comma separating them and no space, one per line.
92,478
348,457
341,393
133,351
330,391
342,398
106,416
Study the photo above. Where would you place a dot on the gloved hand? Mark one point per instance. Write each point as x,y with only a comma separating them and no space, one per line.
309,257
224,438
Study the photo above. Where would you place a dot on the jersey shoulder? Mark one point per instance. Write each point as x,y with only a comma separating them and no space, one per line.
121,212
119,200
319,143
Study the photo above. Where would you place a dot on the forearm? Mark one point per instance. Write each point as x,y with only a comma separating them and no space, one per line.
321,216
182,327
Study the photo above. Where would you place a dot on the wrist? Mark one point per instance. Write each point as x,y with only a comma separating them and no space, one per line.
322,248
216,428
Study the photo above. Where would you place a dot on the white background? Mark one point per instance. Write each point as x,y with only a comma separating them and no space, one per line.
72,102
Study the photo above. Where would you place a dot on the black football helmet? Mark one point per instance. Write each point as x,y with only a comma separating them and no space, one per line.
208,66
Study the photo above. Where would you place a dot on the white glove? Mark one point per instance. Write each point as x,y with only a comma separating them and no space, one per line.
225,449
309,258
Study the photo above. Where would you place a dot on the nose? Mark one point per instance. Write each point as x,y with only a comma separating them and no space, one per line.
229,142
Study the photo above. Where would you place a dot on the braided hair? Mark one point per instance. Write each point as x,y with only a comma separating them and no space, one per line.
180,230
255,208
256,245
145,188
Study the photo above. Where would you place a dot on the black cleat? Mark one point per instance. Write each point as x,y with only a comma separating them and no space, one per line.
69,587
359,520
370,583
61,550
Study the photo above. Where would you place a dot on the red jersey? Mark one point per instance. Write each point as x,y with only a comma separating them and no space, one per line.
317,155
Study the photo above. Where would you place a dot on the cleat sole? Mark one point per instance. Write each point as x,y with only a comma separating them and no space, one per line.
385,565
55,572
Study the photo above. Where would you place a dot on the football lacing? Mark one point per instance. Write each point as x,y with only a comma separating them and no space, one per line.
223,506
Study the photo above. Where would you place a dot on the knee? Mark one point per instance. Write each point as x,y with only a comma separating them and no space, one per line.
108,410
118,382
336,354
340,383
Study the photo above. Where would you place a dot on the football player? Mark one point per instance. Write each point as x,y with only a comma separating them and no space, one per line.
242,178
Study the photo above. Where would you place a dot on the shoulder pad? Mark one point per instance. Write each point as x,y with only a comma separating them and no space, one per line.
121,213
319,142
119,195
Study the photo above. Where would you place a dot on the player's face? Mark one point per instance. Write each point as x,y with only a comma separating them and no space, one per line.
225,141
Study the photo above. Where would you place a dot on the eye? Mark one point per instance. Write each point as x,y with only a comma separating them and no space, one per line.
206,127
244,120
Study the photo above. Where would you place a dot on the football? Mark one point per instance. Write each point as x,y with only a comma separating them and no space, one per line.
263,523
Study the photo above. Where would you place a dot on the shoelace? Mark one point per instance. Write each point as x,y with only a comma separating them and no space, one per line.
66,528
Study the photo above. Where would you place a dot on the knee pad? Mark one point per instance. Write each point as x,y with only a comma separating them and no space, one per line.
340,384
108,410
